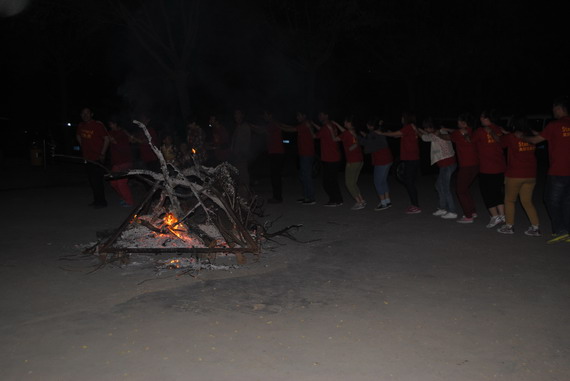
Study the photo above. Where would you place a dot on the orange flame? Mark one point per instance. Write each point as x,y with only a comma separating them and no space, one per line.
170,219
194,151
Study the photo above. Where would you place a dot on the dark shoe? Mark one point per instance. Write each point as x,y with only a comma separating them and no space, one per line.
309,202
99,205
301,200
275,201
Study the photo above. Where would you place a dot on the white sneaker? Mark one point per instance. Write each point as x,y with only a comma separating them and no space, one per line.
494,221
439,212
358,206
449,216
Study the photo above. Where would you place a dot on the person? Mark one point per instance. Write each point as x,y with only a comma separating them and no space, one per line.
354,160
276,152
492,167
306,152
409,156
381,157
241,149
93,139
468,165
196,139
168,149
520,178
220,144
330,158
146,154
557,134
443,155
184,158
121,160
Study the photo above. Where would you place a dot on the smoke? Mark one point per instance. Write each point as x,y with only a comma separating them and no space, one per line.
12,7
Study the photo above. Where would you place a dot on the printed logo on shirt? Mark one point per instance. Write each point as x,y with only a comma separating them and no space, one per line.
490,139
87,134
565,132
524,147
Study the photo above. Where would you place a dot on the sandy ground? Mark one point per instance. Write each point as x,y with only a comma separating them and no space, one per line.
374,296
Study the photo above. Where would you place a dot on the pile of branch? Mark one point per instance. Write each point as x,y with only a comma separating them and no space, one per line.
195,196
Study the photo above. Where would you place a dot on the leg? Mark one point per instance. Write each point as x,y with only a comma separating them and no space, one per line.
465,178
305,175
557,201
512,189
446,187
276,169
526,190
411,168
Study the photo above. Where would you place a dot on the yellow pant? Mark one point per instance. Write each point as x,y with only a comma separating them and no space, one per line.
522,188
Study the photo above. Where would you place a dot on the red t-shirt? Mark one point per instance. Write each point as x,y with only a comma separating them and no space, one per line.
521,159
329,147
92,136
146,153
557,133
491,155
466,150
305,141
382,156
274,139
348,140
409,148
446,162
120,148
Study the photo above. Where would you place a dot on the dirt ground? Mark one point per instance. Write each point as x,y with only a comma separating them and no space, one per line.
372,296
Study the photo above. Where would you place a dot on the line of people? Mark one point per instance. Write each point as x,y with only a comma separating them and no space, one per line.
469,152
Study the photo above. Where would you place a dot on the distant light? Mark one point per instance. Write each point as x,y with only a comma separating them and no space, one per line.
286,141
69,124
76,148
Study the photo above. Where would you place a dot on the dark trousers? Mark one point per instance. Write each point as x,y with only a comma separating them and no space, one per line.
465,178
330,181
558,203
95,175
411,170
276,161
492,189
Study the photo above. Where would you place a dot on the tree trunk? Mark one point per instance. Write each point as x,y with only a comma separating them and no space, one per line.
181,83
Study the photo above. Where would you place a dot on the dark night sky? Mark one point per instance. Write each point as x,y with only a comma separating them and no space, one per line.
387,56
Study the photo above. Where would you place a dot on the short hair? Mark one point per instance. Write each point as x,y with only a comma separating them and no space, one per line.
408,117
467,118
561,102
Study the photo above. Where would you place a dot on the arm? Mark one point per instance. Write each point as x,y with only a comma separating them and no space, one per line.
342,129
105,146
532,139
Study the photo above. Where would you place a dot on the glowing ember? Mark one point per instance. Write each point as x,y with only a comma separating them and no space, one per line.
194,151
170,219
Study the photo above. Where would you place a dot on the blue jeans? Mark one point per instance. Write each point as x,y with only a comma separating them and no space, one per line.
558,203
443,187
305,176
381,178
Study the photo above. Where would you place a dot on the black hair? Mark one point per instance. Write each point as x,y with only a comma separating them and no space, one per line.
561,102
467,118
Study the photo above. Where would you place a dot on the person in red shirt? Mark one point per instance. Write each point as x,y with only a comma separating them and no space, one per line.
557,134
492,166
220,141
330,158
520,178
381,157
410,157
94,141
468,165
121,160
306,153
354,161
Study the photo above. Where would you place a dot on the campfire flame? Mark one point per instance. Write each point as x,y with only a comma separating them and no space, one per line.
194,151
170,219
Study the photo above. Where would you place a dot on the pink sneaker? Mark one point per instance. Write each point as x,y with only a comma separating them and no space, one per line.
413,210
465,220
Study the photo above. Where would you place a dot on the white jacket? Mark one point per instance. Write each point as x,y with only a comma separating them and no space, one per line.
440,149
